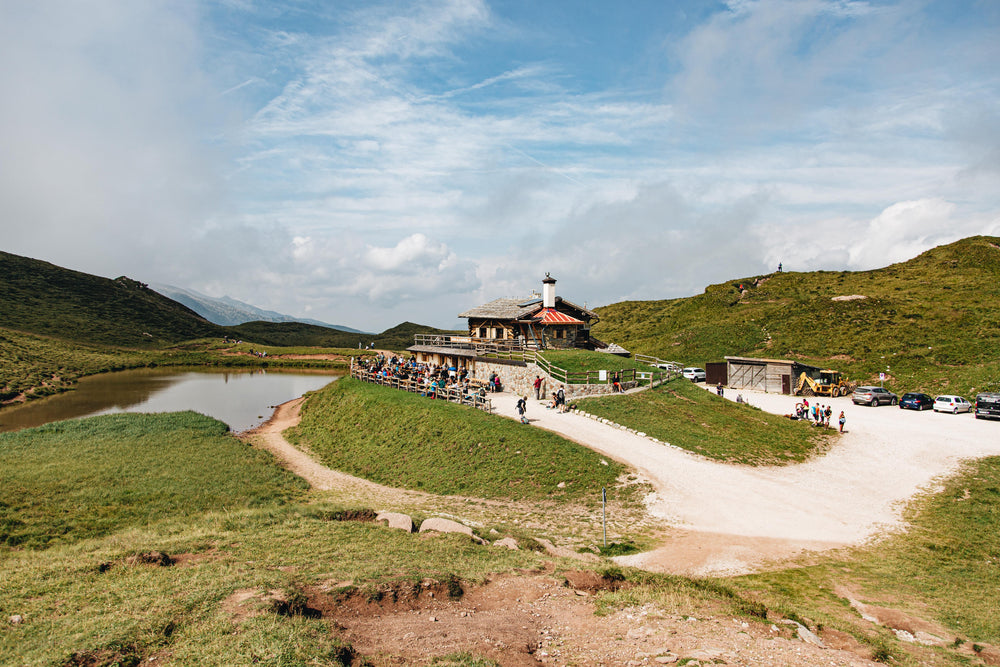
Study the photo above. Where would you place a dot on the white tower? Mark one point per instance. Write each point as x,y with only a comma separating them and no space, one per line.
549,292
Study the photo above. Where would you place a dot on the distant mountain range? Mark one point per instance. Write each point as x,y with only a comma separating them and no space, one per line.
40,298
230,312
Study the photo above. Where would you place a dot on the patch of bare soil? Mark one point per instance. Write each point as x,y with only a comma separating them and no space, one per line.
537,619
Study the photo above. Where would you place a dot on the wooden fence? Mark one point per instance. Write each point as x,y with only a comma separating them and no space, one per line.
652,377
471,398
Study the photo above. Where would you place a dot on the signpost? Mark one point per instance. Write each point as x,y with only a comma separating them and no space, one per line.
604,514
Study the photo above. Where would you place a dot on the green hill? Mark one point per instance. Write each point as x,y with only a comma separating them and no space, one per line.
933,321
41,298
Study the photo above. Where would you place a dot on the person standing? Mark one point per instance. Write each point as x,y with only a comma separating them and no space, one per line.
522,406
538,387
827,414
561,399
842,421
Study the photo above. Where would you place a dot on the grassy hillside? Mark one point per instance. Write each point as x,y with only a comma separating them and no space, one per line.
86,599
933,320
41,298
439,447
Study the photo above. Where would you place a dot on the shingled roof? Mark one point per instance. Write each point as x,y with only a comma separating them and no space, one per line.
507,308
510,308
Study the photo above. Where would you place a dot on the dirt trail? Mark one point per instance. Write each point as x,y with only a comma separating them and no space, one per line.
765,514
269,436
731,519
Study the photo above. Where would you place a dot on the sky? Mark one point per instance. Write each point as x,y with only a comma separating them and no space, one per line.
366,163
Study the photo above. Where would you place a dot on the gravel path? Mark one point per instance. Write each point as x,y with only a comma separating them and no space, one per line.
734,518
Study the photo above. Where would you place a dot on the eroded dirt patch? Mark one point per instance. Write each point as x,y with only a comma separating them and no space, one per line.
538,618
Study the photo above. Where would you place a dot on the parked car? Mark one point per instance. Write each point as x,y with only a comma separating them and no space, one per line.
988,406
916,401
694,374
667,366
874,396
952,404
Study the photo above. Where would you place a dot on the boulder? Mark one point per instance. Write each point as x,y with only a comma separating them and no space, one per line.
395,520
439,525
508,542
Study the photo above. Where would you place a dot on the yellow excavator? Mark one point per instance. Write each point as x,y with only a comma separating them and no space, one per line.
826,383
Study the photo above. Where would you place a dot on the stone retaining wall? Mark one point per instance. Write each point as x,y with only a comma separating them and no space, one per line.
520,380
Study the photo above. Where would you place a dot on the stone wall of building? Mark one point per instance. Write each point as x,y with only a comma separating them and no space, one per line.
520,380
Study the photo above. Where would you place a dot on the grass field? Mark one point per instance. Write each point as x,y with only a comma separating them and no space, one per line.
90,495
406,440
84,478
90,601
689,417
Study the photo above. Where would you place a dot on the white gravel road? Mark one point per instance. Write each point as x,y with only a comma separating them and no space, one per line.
854,492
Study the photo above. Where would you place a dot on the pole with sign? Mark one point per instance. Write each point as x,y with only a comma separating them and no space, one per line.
604,514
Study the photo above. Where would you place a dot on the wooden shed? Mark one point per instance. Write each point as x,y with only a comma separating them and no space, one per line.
770,375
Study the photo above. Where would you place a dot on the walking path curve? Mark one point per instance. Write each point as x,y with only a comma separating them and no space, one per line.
737,517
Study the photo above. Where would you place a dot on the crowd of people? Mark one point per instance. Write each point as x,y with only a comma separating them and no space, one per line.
430,380
818,414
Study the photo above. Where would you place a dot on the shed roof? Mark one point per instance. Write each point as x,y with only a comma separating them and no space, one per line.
770,361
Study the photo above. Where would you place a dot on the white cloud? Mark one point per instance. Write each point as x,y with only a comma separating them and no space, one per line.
384,161
899,232
414,253
902,231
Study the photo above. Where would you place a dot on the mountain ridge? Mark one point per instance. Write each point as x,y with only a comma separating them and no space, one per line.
41,298
227,311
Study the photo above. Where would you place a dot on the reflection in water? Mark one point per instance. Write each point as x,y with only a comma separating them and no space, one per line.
242,399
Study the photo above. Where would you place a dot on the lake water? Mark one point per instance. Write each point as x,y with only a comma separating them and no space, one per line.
242,399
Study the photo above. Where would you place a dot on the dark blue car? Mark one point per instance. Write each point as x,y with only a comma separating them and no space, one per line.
916,401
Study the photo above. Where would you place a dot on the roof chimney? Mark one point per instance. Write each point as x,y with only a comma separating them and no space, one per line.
549,292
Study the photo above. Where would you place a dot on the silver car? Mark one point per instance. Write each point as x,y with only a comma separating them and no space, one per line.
694,374
952,404
874,396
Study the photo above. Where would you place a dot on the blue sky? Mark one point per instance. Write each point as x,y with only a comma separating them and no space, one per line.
366,163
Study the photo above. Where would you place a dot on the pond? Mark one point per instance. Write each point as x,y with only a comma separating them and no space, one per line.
242,398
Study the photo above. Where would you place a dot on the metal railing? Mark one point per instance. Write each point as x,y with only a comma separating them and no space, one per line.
471,398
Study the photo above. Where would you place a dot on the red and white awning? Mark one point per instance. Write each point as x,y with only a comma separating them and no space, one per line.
553,316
